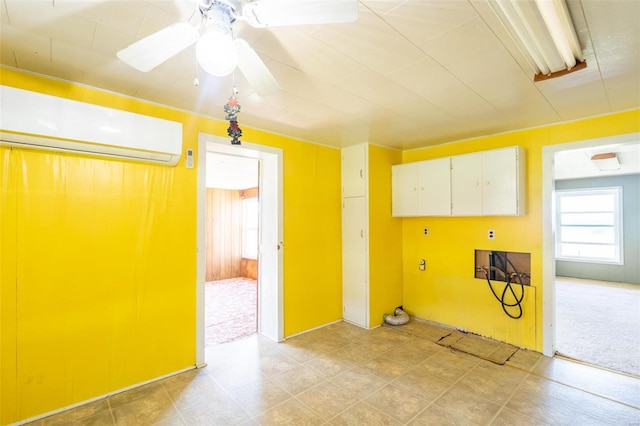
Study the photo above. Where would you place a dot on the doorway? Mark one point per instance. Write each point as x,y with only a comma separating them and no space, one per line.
570,305
231,247
270,321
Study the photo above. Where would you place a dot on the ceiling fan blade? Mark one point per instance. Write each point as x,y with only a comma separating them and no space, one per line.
254,70
272,13
146,54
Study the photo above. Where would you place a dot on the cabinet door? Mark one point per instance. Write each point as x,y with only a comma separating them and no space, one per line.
466,191
354,171
500,182
434,187
404,198
355,264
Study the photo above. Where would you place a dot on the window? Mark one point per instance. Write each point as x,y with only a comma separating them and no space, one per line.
250,228
589,225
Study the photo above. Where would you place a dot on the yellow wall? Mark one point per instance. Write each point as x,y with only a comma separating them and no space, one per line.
385,237
7,293
98,259
312,235
447,292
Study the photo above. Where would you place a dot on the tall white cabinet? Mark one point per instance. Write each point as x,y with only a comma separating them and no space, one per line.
355,235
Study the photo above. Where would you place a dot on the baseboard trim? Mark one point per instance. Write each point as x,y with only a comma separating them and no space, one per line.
106,395
313,329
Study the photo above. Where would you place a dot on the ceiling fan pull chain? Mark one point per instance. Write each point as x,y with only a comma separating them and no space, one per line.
196,81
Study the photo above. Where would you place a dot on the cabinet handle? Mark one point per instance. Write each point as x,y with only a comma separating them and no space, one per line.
477,184
362,233
488,183
360,172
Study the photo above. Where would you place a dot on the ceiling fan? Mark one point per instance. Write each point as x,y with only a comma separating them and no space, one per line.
217,51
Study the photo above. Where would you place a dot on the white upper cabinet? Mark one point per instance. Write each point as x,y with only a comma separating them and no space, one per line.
503,174
434,183
466,185
487,183
421,188
404,187
354,171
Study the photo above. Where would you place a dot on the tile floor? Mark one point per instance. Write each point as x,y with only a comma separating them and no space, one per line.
344,375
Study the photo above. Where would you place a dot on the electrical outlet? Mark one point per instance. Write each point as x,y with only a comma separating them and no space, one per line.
425,231
491,234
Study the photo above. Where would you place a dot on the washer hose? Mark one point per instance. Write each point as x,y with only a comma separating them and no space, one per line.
508,287
399,317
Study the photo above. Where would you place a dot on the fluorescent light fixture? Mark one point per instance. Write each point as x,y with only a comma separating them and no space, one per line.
544,33
606,161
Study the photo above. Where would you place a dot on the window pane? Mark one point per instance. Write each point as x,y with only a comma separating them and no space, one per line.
591,234
587,219
607,252
250,216
582,203
250,207
250,245
589,224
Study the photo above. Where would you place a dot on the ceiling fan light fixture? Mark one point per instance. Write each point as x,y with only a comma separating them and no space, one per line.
216,53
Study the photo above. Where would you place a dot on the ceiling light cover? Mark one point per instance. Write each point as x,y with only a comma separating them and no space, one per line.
216,53
606,161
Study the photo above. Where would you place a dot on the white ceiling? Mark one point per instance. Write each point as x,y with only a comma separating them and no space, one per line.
231,172
406,74
577,163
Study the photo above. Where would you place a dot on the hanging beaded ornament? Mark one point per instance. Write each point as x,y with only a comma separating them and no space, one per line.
232,108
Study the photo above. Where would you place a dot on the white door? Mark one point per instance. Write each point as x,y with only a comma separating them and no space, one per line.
355,296
270,250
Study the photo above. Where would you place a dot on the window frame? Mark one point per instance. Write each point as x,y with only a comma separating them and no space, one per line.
618,234
246,255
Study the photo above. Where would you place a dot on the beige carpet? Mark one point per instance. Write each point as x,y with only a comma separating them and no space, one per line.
230,310
599,323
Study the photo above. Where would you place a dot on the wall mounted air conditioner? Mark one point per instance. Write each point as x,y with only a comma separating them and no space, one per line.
34,120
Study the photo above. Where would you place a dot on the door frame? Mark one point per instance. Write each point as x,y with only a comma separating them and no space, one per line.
270,273
548,230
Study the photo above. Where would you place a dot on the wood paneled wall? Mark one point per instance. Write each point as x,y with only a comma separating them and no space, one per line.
249,193
250,268
223,234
